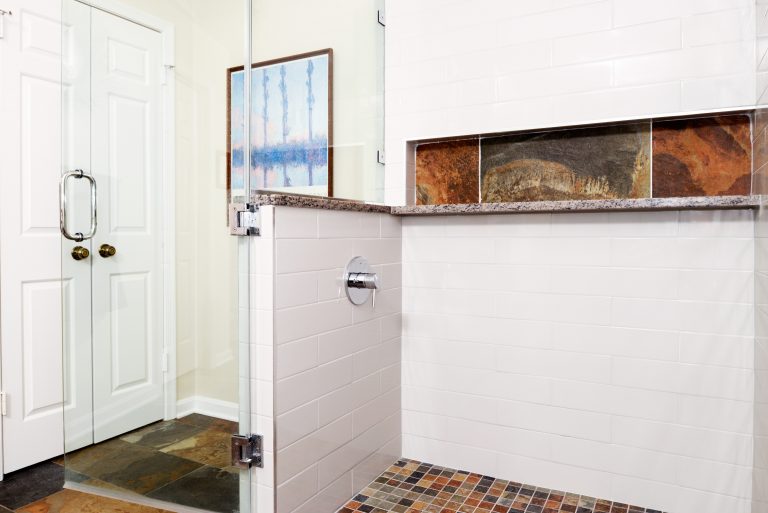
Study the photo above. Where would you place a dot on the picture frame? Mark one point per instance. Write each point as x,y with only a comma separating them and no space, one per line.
291,125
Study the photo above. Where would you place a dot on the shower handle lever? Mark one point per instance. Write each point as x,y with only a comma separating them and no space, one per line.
368,281
360,281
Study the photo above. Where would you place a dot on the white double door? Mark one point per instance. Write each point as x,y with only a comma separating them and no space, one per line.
83,94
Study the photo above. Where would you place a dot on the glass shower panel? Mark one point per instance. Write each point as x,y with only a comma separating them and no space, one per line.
317,102
153,374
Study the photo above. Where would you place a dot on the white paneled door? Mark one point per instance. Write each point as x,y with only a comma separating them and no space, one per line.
126,154
82,94
31,280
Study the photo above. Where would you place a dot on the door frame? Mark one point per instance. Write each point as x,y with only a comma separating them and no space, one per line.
166,30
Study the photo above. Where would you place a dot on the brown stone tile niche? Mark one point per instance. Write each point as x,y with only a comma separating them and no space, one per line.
707,155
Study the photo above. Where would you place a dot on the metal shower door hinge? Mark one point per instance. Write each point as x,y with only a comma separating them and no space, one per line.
244,219
382,19
3,404
247,451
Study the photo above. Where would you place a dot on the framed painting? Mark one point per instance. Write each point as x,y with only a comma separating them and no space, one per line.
291,135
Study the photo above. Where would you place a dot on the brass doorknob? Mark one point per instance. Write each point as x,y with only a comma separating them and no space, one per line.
80,253
106,251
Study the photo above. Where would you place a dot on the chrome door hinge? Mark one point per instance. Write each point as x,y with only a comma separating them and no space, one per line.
380,157
247,451
3,404
165,362
381,18
244,219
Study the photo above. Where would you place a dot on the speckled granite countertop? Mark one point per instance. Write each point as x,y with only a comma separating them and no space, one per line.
695,203
280,199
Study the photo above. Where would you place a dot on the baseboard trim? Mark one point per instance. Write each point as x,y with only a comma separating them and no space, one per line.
207,406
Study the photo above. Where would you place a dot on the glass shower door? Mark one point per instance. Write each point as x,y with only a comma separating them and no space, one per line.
152,361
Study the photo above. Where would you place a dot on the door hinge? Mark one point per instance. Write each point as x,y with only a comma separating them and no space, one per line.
244,219
247,451
166,69
3,404
381,18
3,14
380,157
165,362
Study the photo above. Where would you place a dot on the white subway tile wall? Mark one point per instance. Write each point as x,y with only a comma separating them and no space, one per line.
603,354
760,476
261,327
459,67
337,366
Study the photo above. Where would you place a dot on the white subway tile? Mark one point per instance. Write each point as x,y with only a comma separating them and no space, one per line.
296,424
683,440
301,388
293,493
304,321
346,341
635,40
722,382
294,289
609,340
376,358
295,223
647,374
696,62
449,404
578,366
630,12
708,349
717,286
295,357
555,420
293,459
645,313
375,411
333,224
734,91
617,103
555,81
346,399
718,27
713,413
557,23
523,57
715,477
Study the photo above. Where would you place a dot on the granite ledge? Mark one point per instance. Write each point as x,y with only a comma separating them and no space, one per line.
619,205
280,199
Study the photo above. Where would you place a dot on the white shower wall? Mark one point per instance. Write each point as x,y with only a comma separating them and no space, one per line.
333,368
608,354
463,67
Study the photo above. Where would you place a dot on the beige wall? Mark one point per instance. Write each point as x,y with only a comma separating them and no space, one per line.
207,41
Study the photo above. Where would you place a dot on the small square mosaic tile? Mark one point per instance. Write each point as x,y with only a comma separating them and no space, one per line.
411,486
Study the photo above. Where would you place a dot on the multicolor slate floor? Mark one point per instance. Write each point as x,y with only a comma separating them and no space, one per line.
183,461
411,486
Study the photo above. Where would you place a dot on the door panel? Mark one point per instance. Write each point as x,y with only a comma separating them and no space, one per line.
127,164
31,274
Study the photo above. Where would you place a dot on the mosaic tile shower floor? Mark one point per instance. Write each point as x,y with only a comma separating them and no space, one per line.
411,486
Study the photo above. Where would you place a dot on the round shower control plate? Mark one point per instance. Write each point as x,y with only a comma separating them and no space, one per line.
357,265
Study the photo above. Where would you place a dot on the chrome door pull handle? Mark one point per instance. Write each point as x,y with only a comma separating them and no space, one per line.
77,174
